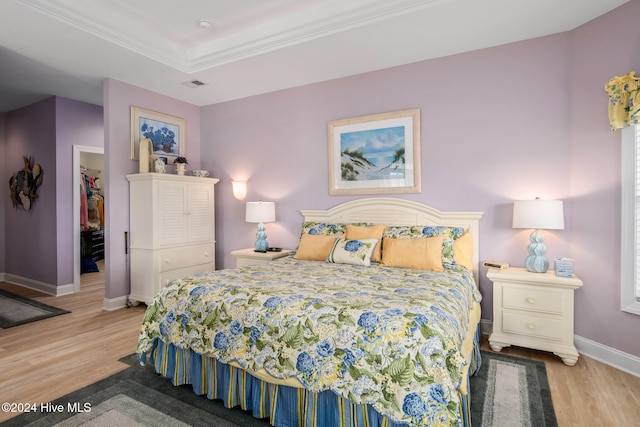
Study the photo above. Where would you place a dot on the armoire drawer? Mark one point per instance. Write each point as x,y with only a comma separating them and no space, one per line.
167,276
173,259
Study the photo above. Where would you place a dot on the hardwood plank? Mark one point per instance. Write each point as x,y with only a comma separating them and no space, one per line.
44,360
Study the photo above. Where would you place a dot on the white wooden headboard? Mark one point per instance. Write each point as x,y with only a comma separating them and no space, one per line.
392,211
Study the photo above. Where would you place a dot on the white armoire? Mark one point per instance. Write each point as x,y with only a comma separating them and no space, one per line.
171,230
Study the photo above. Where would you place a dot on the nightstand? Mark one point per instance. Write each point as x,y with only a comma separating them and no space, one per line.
245,257
533,310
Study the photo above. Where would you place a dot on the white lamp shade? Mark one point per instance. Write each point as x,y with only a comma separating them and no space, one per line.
538,214
261,212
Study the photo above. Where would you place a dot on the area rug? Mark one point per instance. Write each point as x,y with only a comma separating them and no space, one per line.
508,391
17,310
511,391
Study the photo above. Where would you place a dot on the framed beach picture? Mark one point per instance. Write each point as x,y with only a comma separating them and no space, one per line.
375,154
167,133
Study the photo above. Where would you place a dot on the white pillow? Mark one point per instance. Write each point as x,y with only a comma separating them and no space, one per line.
356,252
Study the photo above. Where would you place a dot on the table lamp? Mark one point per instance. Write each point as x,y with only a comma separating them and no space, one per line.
261,212
538,214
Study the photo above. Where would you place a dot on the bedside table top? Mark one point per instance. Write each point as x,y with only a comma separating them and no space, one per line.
251,253
522,275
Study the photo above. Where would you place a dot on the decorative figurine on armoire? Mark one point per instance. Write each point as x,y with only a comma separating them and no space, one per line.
159,165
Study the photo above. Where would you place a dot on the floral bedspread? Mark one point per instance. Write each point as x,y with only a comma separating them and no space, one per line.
387,337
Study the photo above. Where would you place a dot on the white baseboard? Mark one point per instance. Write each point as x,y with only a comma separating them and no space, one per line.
618,359
110,304
609,356
46,288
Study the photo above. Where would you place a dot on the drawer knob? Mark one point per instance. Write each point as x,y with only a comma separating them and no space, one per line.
168,261
531,325
531,300
206,254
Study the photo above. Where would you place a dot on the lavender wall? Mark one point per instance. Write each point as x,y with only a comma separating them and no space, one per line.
35,247
485,116
77,123
4,194
601,49
31,235
513,122
118,98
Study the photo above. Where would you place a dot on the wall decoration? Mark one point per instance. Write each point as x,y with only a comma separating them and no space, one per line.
24,184
375,154
167,133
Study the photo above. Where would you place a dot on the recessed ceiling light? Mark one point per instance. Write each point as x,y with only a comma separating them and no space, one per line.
205,23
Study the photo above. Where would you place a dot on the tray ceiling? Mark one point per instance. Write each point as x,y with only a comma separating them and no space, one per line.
67,47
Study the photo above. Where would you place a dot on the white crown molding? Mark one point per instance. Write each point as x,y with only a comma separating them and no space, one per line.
299,29
121,32
312,23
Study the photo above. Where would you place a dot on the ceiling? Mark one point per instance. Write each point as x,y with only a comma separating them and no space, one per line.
68,47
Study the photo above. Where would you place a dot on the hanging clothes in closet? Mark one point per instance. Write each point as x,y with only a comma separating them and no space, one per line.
91,203
91,221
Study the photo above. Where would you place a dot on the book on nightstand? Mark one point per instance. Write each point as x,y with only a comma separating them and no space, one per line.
496,264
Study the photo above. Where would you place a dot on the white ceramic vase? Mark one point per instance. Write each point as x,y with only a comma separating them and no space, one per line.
180,167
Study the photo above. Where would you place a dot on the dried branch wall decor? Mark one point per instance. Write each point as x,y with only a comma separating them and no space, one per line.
24,184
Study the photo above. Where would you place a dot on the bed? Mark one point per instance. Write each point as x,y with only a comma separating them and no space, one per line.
364,335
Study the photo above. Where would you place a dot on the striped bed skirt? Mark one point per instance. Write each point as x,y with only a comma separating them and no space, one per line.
285,406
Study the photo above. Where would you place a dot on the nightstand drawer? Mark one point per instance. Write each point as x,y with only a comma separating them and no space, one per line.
533,326
532,298
172,259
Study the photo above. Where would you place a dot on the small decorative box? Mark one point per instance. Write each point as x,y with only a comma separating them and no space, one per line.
564,267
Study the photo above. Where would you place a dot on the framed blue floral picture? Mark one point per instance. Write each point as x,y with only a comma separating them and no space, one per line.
375,154
167,134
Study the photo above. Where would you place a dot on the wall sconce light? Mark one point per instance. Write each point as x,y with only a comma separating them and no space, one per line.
239,189
538,214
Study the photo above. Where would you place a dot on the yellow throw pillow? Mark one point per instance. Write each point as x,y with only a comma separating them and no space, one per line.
463,250
315,247
357,232
417,254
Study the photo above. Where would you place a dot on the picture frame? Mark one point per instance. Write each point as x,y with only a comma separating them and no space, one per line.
166,132
375,154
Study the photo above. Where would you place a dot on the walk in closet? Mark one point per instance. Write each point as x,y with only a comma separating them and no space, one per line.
91,212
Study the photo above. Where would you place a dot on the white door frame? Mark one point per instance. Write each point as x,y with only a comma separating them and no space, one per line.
77,149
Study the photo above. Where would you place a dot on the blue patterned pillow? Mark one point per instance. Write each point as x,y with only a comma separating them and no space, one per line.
356,252
323,228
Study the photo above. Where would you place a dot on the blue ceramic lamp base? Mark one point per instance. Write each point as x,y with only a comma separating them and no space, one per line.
261,244
536,262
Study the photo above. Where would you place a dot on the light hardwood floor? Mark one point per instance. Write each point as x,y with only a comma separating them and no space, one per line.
47,359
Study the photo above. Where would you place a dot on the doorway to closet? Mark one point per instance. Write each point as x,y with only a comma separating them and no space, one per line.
88,213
